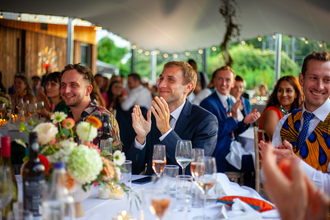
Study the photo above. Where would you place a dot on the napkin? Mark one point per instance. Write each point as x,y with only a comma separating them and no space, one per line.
11,127
234,157
241,211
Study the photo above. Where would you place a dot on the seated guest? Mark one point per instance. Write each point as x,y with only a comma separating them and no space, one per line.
285,98
173,118
263,90
52,92
36,81
205,92
137,95
201,76
305,132
114,95
230,118
294,195
76,87
237,92
98,78
96,95
22,89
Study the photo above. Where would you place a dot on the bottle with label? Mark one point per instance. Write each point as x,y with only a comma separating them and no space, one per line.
5,161
33,179
105,140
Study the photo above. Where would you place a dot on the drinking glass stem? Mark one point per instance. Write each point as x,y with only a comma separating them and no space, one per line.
183,170
204,203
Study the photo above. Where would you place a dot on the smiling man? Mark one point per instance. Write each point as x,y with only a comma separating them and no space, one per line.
230,119
306,130
76,86
173,118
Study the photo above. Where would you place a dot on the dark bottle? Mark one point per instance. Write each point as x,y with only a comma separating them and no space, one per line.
105,140
33,179
5,161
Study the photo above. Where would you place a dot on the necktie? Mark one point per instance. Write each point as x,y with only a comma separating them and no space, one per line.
303,133
229,106
171,117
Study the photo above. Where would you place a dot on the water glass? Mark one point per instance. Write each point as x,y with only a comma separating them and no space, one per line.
171,171
126,174
6,186
183,193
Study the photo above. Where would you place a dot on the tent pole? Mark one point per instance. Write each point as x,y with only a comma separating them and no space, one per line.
204,60
153,64
69,49
278,48
132,61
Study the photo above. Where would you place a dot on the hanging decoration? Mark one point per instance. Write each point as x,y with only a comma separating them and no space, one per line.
228,11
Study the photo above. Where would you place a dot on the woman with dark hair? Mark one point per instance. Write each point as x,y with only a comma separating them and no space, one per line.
114,95
237,92
287,96
52,93
96,95
22,89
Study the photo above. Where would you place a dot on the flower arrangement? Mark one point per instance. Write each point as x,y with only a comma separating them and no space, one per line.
84,162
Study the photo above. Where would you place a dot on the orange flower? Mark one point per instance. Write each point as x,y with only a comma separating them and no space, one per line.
108,170
68,123
94,121
70,182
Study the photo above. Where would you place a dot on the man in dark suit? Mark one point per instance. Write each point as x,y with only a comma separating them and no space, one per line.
188,122
230,119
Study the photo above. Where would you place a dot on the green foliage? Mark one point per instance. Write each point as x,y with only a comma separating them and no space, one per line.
254,65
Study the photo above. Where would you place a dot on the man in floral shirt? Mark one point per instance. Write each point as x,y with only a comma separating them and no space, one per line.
76,86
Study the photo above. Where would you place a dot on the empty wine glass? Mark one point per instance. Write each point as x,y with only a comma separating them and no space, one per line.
6,186
205,178
183,154
196,152
159,159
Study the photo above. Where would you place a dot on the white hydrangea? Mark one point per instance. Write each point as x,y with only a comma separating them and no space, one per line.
86,132
84,164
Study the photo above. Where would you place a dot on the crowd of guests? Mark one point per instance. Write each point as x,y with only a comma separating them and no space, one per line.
296,120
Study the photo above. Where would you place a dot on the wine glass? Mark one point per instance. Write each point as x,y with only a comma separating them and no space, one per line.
196,152
159,159
160,203
205,178
31,109
183,154
6,186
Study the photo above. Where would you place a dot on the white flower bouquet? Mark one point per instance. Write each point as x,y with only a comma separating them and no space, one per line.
84,162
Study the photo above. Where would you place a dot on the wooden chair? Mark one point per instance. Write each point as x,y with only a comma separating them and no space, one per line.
257,158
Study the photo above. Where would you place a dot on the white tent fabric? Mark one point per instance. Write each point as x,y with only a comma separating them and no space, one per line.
179,25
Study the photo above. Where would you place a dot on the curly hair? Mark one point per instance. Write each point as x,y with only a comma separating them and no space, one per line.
84,70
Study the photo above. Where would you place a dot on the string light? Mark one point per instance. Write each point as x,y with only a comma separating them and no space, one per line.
320,45
62,20
97,28
35,18
146,53
165,55
133,47
274,36
175,55
259,39
50,19
1,16
157,52
200,51
243,42
214,48
306,41
187,53
140,51
19,17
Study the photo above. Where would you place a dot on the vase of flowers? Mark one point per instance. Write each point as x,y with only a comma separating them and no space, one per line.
85,164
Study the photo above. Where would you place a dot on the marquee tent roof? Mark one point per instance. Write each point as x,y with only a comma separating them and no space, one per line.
179,25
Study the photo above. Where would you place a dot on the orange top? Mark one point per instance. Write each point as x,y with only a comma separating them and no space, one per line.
279,114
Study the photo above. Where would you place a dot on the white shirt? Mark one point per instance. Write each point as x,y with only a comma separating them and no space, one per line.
223,100
175,116
138,96
201,96
321,180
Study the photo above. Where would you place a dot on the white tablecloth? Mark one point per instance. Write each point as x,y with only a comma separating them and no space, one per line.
247,139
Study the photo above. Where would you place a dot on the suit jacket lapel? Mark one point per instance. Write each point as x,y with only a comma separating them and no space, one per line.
221,107
183,119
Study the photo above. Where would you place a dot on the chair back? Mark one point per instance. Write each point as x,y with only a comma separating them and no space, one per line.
257,131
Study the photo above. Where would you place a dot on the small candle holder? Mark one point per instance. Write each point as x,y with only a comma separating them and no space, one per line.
116,192
124,215
104,193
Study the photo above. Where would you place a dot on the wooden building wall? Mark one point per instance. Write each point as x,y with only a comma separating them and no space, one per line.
40,47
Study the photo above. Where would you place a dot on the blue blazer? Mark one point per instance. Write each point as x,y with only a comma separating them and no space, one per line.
194,123
227,125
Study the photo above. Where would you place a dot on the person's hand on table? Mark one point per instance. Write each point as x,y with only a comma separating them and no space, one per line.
162,114
252,117
295,196
141,126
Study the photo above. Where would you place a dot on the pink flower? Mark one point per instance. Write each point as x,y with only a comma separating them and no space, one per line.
68,123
